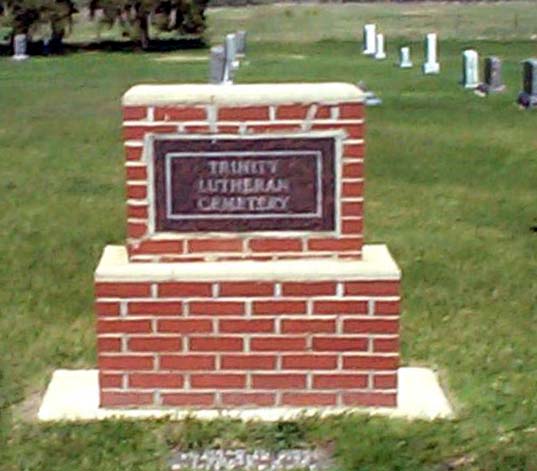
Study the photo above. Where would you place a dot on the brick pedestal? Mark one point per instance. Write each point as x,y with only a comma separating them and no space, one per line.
247,318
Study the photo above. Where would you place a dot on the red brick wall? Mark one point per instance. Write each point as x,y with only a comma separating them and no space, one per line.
200,119
226,344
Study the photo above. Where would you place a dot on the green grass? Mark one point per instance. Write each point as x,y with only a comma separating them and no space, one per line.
451,189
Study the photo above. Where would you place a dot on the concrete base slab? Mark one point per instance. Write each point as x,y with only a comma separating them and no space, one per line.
74,395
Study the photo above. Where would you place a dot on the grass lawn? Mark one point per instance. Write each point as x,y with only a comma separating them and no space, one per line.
451,188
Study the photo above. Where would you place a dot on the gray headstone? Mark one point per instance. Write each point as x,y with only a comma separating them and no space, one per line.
240,37
217,64
528,96
19,47
493,74
232,64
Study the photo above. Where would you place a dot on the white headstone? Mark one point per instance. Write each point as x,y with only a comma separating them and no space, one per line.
404,58
217,65
431,65
470,69
370,38
19,47
380,53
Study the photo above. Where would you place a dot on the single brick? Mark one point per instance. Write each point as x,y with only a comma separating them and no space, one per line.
188,399
216,308
245,288
180,113
108,344
309,362
164,308
155,380
243,113
353,150
228,129
386,345
187,362
339,344
371,362
103,308
279,381
369,399
137,211
214,245
136,173
133,153
218,381
385,381
248,362
160,247
133,113
275,344
119,398
323,112
340,307
122,290
275,245
279,307
154,344
138,132
121,326
338,381
136,191
245,326
373,326
290,326
185,326
110,380
136,229
352,189
384,308
352,226
309,289
215,344
353,170
125,362
248,399
371,288
185,289
335,245
353,209
291,111
309,399
351,111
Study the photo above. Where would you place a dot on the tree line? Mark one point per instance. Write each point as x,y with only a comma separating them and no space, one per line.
53,19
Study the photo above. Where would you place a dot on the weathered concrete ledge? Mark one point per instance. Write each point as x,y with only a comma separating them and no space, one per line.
241,94
377,264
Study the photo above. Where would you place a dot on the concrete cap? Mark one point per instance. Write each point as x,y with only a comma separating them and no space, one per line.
377,264
243,94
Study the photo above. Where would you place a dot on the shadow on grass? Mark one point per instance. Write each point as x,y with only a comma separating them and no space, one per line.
37,48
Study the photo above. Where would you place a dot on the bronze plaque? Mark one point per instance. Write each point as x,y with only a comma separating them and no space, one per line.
244,184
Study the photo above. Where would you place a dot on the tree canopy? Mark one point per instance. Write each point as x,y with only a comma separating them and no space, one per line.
53,19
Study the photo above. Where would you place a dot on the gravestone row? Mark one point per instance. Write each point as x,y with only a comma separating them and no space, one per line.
374,46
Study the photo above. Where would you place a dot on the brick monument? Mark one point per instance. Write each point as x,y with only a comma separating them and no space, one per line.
244,281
